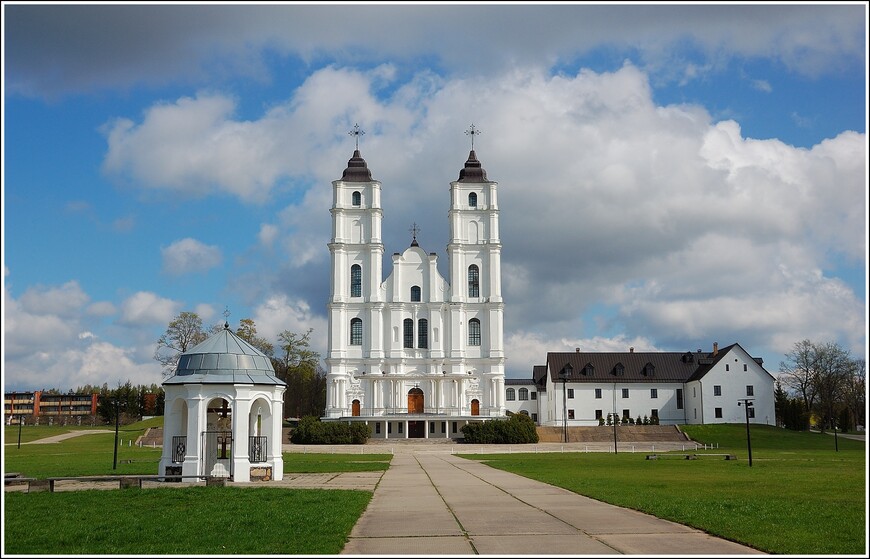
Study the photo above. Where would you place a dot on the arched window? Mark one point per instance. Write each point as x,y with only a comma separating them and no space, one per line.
524,393
356,199
356,281
473,281
415,294
409,333
510,395
356,331
423,333
474,332
472,200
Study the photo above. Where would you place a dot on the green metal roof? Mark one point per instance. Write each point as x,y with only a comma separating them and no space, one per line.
224,358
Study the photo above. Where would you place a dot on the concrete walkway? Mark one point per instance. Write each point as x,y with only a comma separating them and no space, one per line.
440,504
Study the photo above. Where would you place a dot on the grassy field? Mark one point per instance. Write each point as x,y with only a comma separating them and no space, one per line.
182,521
92,454
799,496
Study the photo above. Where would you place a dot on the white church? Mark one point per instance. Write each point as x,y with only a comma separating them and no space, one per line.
415,355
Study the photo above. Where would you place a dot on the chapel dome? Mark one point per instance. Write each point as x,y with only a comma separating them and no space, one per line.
224,358
357,170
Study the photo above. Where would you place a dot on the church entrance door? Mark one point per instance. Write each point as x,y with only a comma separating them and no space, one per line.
416,429
475,407
355,408
415,401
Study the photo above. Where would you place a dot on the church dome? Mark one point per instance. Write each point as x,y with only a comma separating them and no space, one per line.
473,171
357,170
224,358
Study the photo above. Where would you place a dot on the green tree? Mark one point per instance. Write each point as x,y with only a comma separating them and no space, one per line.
247,331
298,366
183,333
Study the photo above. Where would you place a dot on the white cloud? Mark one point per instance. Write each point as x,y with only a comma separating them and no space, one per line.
147,309
278,313
187,256
66,300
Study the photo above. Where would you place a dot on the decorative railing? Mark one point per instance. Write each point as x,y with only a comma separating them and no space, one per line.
179,449
257,449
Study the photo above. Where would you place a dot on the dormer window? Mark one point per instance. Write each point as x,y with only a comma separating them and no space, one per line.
619,370
688,357
588,370
472,200
356,199
649,370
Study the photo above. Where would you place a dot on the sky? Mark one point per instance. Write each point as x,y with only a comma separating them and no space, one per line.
669,176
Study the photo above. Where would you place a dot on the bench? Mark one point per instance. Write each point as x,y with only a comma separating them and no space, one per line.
680,456
689,456
35,485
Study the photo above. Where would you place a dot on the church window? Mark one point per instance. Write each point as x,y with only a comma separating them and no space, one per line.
356,199
524,394
409,333
653,392
510,395
570,393
472,200
356,331
679,398
415,294
423,333
473,281
625,392
356,281
597,393
474,332
534,395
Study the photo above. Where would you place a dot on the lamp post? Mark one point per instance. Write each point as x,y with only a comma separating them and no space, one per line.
20,421
747,403
117,422
564,374
614,432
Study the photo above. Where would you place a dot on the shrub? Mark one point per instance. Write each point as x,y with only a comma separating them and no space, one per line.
313,431
600,421
518,429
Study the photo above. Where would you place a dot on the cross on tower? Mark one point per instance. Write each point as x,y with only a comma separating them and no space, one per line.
472,131
356,133
414,230
226,314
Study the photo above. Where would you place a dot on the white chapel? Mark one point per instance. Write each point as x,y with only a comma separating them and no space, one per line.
415,355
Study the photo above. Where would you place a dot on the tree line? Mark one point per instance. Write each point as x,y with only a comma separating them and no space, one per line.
821,381
293,359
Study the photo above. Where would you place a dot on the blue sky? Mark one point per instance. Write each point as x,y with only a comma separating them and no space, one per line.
670,175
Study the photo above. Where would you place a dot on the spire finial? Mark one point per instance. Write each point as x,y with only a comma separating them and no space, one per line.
226,314
472,131
414,230
356,133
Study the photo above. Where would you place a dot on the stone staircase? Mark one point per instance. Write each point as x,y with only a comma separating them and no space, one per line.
153,437
624,433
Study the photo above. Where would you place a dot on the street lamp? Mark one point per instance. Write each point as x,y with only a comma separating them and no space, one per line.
117,422
614,432
20,421
747,403
564,374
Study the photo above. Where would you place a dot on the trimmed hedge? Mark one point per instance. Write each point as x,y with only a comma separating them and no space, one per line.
518,429
313,431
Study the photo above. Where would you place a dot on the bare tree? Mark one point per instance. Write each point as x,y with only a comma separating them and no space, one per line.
798,371
833,370
182,334
855,394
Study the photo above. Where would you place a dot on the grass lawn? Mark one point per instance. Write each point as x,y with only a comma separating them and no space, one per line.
799,496
92,454
182,521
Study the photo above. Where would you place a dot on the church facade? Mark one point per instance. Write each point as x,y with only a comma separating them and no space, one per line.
415,355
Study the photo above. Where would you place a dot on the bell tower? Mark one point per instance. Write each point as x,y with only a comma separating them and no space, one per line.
355,299
474,251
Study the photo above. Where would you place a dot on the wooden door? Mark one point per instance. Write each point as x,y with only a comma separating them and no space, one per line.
355,408
415,401
475,407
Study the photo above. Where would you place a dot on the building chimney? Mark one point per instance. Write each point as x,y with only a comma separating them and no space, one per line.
577,349
715,349
631,350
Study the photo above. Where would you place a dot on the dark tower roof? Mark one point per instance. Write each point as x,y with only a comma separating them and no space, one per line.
473,172
357,170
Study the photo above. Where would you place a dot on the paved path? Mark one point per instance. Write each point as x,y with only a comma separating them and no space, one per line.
63,437
439,504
